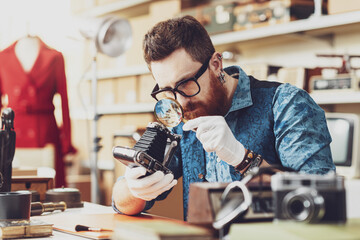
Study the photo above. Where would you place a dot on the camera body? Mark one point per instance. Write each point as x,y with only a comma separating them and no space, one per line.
309,198
153,151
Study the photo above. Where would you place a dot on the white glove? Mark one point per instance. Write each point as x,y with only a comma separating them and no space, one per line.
216,136
149,187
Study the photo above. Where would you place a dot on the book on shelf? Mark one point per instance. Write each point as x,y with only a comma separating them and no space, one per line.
24,228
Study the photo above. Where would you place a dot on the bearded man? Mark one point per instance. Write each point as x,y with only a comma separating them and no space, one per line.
234,120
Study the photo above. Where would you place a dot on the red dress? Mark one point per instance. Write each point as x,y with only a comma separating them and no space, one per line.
30,95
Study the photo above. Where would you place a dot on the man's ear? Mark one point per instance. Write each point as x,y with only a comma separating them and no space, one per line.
215,63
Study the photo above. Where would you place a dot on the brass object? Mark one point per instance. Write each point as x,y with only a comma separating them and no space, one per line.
38,208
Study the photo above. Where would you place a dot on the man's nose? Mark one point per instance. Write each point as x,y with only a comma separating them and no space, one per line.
182,99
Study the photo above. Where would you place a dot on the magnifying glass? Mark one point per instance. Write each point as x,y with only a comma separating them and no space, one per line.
169,112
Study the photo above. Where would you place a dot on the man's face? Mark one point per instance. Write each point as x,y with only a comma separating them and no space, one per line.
179,66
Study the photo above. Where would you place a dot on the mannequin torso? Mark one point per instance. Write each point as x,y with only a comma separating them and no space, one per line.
31,73
27,51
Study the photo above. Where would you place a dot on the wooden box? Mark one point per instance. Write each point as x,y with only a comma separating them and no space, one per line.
39,184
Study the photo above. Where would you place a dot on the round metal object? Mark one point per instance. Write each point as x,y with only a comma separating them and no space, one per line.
169,112
71,196
35,196
114,36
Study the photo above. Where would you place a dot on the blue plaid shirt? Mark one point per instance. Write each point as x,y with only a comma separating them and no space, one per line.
278,121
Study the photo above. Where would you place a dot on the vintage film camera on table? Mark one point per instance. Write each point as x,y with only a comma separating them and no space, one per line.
309,198
292,196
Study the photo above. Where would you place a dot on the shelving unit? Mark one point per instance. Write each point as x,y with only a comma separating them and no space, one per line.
121,72
113,7
114,109
326,22
338,97
126,108
313,27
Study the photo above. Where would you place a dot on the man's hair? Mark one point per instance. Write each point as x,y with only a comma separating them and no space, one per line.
183,32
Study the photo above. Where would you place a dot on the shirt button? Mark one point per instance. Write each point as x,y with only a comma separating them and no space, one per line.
200,175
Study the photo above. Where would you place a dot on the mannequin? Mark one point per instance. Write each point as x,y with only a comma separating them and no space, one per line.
31,73
27,50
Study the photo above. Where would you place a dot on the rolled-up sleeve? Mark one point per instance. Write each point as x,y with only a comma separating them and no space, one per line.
175,166
302,137
148,204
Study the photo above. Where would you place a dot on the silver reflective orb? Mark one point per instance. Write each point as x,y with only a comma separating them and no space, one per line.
169,112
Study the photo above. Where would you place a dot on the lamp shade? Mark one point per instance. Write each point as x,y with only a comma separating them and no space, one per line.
112,35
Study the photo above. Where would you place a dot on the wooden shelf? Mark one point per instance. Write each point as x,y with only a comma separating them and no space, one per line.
337,97
113,109
113,7
323,25
126,108
328,22
299,26
120,72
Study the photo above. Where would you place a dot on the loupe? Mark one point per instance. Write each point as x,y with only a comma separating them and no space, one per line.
169,112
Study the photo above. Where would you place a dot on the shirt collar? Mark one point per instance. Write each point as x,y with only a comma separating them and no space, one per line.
242,95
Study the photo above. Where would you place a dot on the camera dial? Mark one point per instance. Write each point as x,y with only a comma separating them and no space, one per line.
304,205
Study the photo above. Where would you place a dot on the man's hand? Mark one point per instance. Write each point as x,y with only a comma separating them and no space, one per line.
149,187
216,136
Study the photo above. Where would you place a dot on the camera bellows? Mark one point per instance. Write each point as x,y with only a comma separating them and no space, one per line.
149,151
153,141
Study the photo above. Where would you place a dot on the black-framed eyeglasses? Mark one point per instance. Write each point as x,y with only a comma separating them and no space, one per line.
187,87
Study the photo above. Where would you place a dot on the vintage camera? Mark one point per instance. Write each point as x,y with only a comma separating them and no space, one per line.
7,145
153,151
309,198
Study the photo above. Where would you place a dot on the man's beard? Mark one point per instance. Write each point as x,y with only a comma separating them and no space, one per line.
214,104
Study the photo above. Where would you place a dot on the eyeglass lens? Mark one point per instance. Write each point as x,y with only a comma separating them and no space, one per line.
187,88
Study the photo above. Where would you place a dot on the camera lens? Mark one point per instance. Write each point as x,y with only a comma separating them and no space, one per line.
303,205
296,207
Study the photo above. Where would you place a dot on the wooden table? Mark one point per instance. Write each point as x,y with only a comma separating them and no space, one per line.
296,231
99,216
